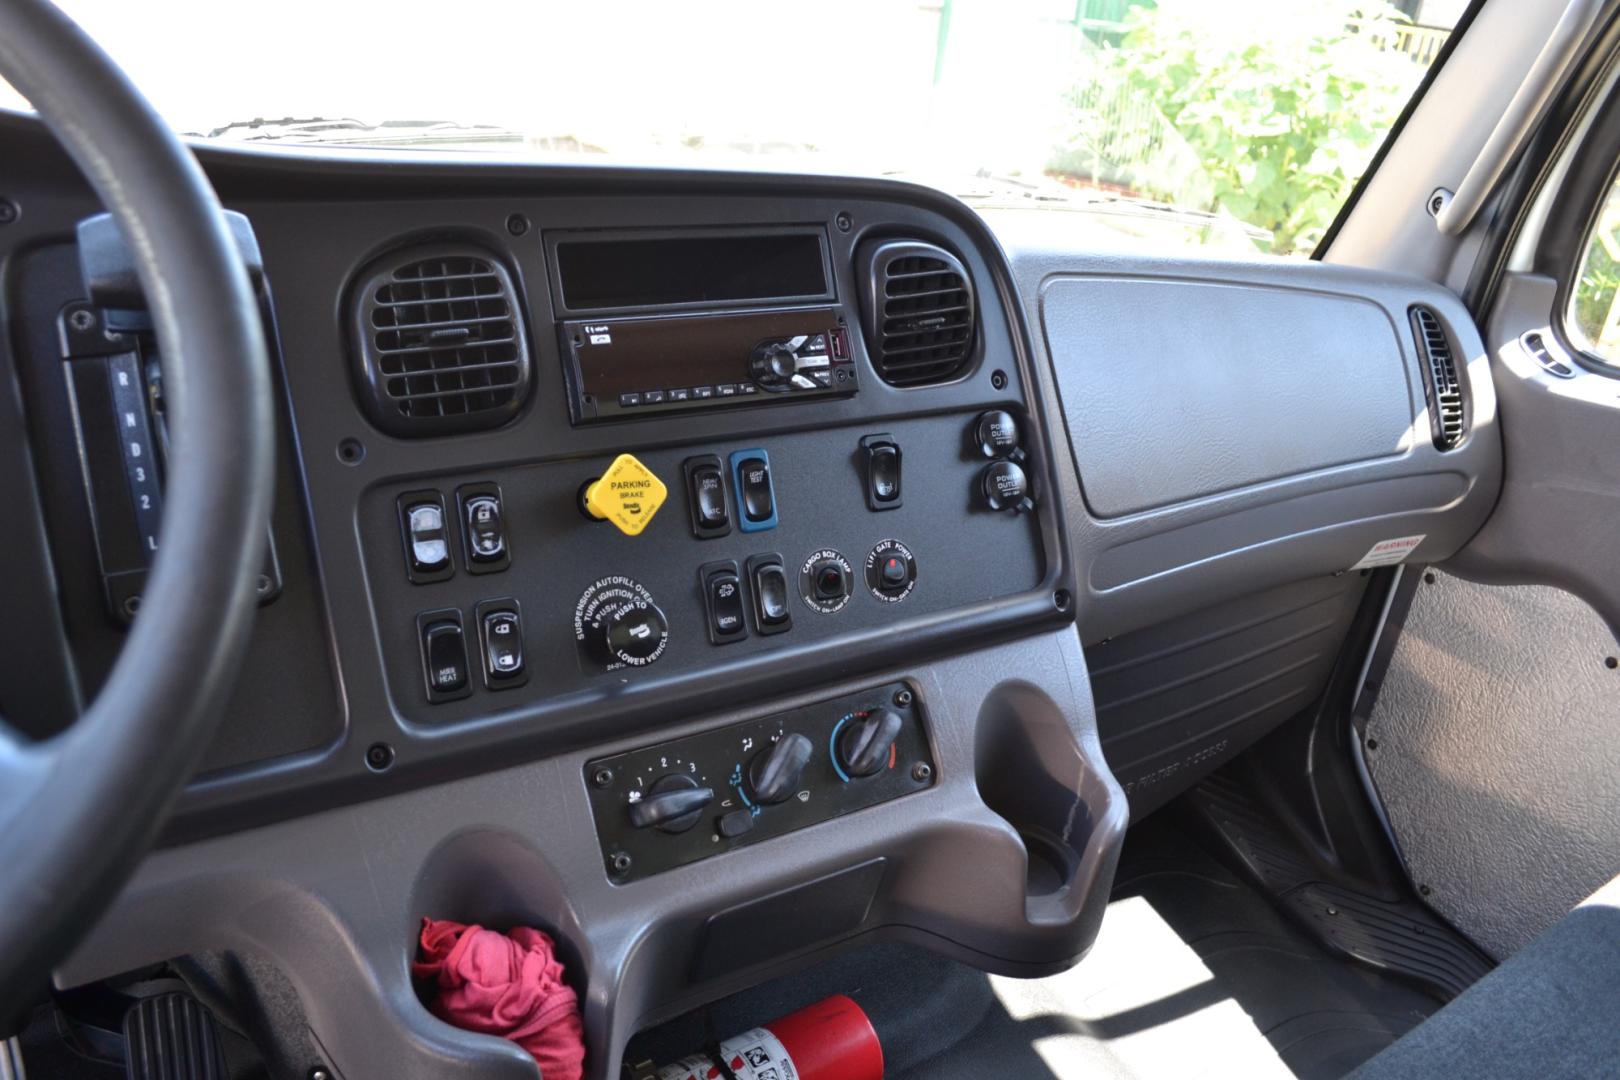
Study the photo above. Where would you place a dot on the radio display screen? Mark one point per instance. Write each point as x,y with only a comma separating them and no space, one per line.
654,271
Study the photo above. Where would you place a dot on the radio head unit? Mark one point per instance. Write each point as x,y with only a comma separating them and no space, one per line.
625,367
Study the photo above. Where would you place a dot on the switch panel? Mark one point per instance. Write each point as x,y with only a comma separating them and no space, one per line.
427,537
749,782
444,655
665,610
756,495
483,528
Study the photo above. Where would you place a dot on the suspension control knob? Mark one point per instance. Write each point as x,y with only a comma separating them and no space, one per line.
618,625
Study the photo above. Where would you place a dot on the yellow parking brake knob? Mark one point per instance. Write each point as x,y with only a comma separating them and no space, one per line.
628,495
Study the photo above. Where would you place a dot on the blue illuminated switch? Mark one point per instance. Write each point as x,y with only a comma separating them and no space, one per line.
756,496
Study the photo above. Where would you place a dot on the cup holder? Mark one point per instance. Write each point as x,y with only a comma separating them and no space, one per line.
1052,863
1031,770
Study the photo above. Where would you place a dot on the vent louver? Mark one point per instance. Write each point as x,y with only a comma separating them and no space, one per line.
919,309
440,342
1448,405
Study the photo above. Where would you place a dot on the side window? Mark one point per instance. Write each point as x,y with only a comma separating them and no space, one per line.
1594,306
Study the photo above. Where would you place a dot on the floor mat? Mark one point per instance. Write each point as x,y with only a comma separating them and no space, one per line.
1195,974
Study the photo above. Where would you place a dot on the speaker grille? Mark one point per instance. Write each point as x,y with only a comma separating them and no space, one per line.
441,342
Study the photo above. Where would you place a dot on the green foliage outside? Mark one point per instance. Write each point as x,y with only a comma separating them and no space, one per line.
1599,282
1255,110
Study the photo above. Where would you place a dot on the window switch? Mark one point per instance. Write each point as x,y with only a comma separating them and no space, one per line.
444,655
723,602
500,639
483,528
773,612
427,537
882,455
756,497
706,496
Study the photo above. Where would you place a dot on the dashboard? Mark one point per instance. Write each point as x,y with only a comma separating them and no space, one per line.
713,569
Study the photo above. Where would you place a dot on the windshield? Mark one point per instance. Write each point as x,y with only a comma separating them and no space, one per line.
1238,124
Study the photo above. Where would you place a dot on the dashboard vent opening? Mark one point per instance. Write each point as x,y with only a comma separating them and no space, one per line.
920,314
1448,404
441,342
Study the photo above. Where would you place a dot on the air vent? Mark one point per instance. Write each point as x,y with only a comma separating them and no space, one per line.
440,342
918,305
1448,406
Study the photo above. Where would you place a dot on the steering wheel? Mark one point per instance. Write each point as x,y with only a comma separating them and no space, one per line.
77,812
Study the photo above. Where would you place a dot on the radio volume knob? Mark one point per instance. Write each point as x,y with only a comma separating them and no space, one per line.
773,365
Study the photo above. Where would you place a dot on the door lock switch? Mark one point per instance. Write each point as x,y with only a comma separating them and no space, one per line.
483,528
500,639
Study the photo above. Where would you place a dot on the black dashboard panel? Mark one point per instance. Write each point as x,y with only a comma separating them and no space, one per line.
965,557
323,222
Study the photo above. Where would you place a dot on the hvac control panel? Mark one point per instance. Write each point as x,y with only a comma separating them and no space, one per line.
676,802
528,584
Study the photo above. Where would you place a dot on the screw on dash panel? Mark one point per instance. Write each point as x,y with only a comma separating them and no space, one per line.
517,224
319,1073
922,772
379,756
619,863
82,319
998,380
902,698
8,211
844,221
602,777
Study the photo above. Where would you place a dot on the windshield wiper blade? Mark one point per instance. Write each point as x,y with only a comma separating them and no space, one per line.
348,130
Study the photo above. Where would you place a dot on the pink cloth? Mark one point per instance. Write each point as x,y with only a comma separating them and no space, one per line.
508,985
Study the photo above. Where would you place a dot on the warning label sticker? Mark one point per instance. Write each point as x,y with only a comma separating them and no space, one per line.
1389,552
753,1055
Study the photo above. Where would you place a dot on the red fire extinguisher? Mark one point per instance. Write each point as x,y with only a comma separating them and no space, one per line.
830,1040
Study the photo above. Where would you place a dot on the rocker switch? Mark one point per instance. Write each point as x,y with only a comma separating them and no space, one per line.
882,455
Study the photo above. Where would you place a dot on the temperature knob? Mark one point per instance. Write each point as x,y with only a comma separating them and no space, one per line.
618,625
866,741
